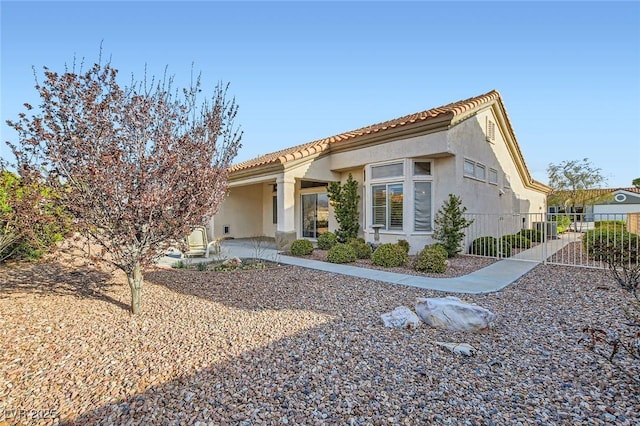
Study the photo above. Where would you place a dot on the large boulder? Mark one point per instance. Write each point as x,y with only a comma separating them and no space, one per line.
401,317
453,314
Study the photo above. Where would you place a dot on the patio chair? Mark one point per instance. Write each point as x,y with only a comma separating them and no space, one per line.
198,243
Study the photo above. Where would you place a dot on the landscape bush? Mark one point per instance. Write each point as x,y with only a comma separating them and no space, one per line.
517,241
341,253
389,255
488,246
532,235
301,247
563,221
615,237
431,259
361,248
449,225
326,240
405,245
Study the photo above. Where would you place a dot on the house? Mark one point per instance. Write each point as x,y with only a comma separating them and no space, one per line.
599,204
405,168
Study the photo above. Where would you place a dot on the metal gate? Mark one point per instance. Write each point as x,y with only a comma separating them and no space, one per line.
563,239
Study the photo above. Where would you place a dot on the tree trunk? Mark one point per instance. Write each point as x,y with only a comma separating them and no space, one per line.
135,283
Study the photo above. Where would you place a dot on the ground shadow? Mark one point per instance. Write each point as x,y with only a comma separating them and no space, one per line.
54,278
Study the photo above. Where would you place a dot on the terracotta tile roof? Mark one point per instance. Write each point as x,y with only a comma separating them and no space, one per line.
454,109
596,192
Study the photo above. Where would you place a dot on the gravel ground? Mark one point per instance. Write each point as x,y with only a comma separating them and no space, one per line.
457,266
294,346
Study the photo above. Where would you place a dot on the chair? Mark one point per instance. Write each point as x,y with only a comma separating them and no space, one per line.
198,243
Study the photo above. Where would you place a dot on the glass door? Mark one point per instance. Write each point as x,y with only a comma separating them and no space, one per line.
315,214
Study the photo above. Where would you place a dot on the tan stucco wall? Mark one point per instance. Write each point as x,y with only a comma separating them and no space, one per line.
425,145
242,210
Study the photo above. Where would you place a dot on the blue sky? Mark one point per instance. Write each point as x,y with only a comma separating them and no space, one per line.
568,72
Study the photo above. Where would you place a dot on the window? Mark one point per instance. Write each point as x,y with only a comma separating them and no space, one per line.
422,206
422,168
481,172
469,168
493,176
475,170
274,207
387,171
388,205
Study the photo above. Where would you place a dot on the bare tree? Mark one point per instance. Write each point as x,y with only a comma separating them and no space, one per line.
135,165
571,181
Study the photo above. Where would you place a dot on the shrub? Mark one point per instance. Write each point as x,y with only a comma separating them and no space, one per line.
361,248
563,221
596,239
517,241
341,253
301,247
449,224
344,198
326,240
431,259
405,245
617,224
532,235
389,255
488,246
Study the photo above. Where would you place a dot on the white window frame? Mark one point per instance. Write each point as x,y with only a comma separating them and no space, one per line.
408,181
493,172
473,174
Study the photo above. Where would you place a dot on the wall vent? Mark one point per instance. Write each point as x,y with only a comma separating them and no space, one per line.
491,130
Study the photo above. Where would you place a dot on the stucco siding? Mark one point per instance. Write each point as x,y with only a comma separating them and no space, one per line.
425,145
241,211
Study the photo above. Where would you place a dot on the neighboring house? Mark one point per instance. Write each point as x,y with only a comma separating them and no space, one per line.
406,168
602,204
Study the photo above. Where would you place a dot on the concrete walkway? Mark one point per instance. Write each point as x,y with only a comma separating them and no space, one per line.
486,280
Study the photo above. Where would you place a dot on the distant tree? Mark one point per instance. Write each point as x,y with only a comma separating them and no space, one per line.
449,224
344,199
136,165
571,181
636,182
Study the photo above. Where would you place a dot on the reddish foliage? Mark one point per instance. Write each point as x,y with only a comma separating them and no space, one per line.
137,166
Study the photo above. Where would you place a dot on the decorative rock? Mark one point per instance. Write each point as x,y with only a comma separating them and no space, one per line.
453,314
458,348
401,317
234,261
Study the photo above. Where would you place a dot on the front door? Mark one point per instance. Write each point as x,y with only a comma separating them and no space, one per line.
315,214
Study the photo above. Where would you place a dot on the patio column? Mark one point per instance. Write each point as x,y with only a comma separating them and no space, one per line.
286,230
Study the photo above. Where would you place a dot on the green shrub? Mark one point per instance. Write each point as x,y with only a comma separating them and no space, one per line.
532,235
301,247
431,259
517,241
405,245
341,253
362,249
595,240
389,255
488,246
484,246
326,240
563,221
450,223
617,224
344,198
